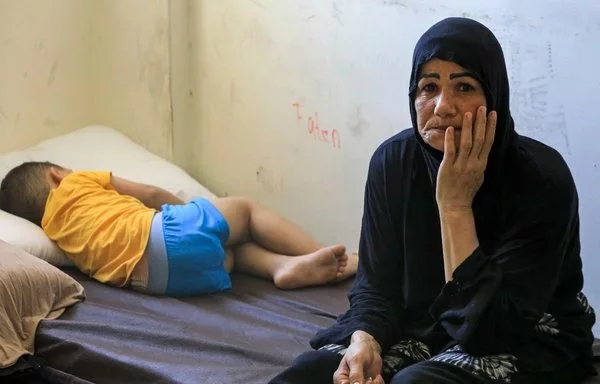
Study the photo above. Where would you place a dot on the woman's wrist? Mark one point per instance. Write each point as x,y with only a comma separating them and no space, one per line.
454,209
364,337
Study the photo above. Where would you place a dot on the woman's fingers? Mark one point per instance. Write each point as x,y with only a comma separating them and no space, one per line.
342,374
449,146
479,132
461,171
357,374
466,139
374,369
490,133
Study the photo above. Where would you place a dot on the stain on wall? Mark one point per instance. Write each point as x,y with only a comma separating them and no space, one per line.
269,181
357,124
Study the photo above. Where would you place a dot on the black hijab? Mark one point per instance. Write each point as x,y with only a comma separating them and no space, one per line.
473,46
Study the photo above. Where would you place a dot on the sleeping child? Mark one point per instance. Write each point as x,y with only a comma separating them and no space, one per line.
134,235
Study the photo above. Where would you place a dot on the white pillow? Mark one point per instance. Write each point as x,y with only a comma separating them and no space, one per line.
91,148
31,239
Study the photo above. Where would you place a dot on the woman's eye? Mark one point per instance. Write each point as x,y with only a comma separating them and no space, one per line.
431,87
465,87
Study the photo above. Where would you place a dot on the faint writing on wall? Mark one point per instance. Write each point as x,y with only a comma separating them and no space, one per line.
331,137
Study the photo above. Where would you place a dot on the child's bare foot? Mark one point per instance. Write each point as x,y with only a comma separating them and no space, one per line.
347,267
316,268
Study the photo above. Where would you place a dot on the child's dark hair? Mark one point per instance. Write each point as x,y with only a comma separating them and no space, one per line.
25,189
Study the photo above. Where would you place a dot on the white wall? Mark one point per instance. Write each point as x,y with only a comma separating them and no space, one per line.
182,87
66,64
349,63
44,70
130,67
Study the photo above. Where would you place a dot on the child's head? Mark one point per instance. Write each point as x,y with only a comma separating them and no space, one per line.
25,189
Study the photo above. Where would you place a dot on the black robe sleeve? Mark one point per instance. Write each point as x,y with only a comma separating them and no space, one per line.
376,295
495,300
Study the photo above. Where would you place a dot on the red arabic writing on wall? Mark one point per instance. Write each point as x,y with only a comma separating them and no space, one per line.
331,137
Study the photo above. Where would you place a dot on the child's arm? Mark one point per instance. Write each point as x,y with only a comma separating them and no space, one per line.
151,196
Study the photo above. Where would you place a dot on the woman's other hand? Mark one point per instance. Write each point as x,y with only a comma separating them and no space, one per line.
361,363
461,172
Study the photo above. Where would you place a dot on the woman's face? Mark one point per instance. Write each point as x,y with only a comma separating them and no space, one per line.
445,92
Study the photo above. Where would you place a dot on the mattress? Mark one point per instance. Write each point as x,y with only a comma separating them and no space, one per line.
246,336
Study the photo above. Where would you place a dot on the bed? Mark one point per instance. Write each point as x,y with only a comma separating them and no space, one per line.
246,336
112,335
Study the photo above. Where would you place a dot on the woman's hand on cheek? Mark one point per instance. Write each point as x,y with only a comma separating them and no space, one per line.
461,172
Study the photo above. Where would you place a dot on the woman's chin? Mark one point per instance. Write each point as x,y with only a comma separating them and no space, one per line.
436,139
436,143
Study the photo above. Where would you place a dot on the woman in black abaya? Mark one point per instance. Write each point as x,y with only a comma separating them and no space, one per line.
470,267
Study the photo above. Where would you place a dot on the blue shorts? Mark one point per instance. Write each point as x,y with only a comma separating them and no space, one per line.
185,252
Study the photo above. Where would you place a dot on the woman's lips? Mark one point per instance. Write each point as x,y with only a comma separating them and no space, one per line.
444,127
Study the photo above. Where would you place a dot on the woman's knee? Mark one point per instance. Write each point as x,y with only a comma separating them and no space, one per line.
434,372
318,358
310,367
411,375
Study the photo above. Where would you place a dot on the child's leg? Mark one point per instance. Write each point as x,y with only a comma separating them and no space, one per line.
325,265
249,220
265,242
228,264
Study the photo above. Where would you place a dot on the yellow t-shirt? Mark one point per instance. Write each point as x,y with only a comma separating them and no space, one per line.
103,232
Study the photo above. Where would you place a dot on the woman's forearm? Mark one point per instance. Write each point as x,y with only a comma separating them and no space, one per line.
459,237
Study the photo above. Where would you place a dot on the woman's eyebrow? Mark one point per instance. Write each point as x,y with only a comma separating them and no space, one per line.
453,76
430,74
461,74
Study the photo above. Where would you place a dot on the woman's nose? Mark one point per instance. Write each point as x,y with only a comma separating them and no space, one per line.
445,105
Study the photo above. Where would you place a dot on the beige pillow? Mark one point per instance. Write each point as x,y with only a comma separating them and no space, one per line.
30,290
